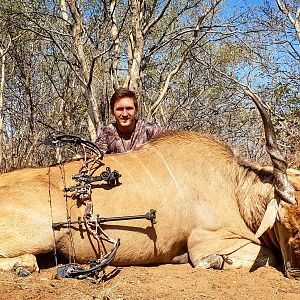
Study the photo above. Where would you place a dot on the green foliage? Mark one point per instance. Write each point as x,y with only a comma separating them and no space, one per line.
231,55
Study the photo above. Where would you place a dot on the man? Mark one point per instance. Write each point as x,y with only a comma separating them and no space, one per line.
128,132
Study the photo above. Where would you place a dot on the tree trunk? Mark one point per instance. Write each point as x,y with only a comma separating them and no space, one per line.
116,46
136,44
2,54
86,79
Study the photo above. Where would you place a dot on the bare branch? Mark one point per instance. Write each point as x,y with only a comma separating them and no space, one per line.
294,21
163,92
63,8
158,17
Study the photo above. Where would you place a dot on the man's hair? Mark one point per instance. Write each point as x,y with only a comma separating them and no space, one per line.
122,93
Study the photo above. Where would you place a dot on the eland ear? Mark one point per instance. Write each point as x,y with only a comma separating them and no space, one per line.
269,218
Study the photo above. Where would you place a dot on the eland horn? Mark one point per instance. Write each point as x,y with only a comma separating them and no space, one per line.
282,187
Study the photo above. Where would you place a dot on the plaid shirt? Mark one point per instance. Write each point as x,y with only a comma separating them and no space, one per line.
110,140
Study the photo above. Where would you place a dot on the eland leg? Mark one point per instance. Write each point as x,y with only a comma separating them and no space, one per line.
251,256
223,249
24,264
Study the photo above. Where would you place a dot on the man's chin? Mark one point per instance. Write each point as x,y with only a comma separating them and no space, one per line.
125,123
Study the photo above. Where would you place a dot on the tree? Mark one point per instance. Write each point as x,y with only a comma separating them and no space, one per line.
67,57
3,51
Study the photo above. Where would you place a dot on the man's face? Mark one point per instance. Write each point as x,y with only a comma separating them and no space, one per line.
125,113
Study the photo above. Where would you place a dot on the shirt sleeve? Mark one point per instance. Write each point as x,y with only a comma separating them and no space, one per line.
101,141
153,130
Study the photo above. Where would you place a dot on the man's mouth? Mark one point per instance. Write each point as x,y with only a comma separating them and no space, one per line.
124,121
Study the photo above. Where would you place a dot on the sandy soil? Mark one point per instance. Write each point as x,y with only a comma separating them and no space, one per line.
158,282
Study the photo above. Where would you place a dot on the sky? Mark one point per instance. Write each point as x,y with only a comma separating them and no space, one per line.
233,5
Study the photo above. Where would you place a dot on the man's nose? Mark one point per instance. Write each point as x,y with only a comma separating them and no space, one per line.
124,113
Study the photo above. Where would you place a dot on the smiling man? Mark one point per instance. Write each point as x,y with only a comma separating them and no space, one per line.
128,132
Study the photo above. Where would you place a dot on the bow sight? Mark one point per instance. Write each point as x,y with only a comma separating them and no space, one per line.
111,177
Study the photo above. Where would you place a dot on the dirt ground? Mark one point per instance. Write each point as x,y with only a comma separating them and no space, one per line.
155,282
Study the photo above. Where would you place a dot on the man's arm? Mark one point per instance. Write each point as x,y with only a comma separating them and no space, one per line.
101,141
152,130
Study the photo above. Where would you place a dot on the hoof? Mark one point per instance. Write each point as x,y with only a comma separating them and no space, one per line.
22,272
213,261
